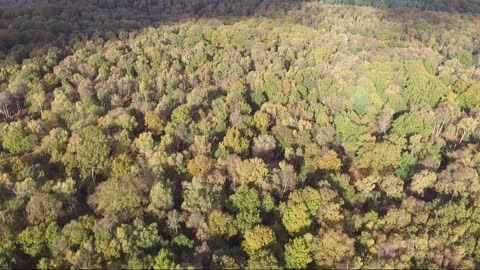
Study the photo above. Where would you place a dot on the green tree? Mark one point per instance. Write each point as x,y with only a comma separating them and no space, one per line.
89,152
246,202
32,240
36,241
412,123
349,126
181,114
164,260
297,253
18,139
421,86
124,197
301,207
296,218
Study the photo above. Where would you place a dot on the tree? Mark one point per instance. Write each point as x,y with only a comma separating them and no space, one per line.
138,237
18,140
252,171
198,223
181,114
258,238
422,87
397,219
392,186
366,186
456,179
469,99
201,146
467,126
263,146
124,197
422,180
349,127
464,57
221,261
161,199
407,163
221,224
6,101
36,99
235,142
26,188
164,260
32,241
78,232
200,165
446,113
118,118
262,120
43,208
36,240
144,143
384,121
175,219
284,178
154,122
8,247
301,207
263,259
295,218
417,122
380,157
204,193
332,248
330,162
330,210
122,165
89,151
55,143
297,253
246,202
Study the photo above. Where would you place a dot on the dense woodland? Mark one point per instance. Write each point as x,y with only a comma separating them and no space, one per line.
239,134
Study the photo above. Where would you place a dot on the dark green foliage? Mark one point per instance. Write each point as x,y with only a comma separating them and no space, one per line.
405,168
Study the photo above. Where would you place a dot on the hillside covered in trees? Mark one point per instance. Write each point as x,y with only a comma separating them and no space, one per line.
252,134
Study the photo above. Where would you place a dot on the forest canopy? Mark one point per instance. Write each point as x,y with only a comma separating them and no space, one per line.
239,134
